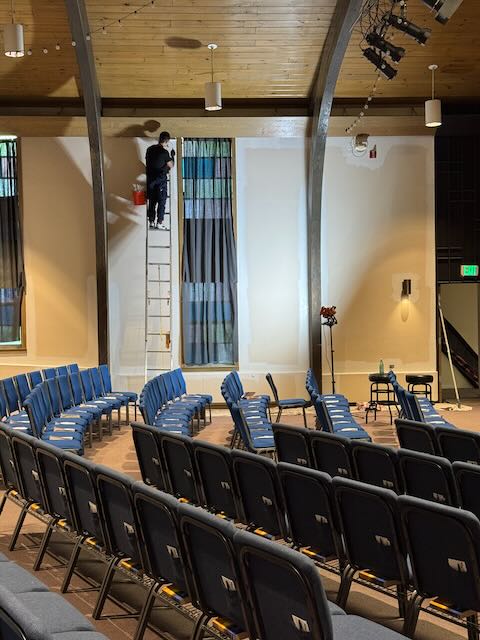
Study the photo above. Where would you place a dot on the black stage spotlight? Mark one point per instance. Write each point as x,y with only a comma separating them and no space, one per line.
444,9
395,53
388,71
410,29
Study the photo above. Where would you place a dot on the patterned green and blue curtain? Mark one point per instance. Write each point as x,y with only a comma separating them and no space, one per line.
11,251
209,291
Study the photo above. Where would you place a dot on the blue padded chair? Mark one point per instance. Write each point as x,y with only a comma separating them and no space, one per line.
262,508
417,436
49,373
23,387
376,465
215,472
149,455
445,567
308,498
62,371
122,537
89,395
115,402
8,467
73,368
18,420
428,477
218,590
256,438
161,548
331,454
342,423
35,378
97,409
91,413
292,445
458,445
275,574
107,385
182,391
467,480
287,403
373,539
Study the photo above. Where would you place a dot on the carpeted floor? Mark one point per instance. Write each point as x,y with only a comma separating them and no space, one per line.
118,452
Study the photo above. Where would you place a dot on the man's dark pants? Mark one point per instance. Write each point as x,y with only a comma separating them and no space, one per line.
157,198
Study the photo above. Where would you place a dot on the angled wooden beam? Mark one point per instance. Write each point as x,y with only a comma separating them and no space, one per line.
80,30
323,89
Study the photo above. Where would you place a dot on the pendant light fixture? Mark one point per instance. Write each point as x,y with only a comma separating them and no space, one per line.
13,42
433,107
213,90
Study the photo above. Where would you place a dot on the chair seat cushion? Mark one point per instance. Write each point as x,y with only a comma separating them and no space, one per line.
335,610
355,628
294,403
18,580
79,635
419,378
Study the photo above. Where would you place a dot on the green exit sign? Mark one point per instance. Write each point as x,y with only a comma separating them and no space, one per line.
469,270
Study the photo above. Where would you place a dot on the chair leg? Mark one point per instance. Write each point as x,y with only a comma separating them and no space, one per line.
472,627
411,619
198,630
145,613
304,417
105,588
18,527
279,414
127,414
3,502
402,600
135,410
72,563
345,585
90,435
44,544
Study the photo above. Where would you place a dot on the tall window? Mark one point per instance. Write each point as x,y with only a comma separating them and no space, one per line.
209,290
11,251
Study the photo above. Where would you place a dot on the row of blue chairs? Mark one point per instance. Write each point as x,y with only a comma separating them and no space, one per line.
333,412
401,545
165,403
405,471
29,611
415,407
252,427
182,555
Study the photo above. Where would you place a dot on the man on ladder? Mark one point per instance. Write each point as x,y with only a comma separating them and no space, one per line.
159,161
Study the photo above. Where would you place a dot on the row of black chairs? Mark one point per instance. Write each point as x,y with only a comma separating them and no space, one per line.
423,475
181,554
367,532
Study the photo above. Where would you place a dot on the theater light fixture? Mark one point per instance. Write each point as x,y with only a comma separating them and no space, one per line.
433,107
376,59
443,9
213,90
13,43
406,289
399,22
378,42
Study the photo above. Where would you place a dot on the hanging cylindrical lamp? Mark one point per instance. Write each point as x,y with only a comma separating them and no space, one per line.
433,107
213,90
13,42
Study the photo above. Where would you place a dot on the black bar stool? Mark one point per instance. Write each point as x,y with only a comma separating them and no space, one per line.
381,393
420,384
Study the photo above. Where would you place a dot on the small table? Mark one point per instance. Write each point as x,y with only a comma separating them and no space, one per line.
381,393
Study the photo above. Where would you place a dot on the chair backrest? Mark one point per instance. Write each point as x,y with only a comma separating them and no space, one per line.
444,550
35,378
28,476
376,465
428,477
417,436
3,404
36,411
49,373
323,417
273,387
458,445
77,388
23,387
292,445
106,379
211,557
371,529
167,381
66,396
50,464
467,479
149,455
54,395
182,387
85,503
215,470
73,368
11,395
275,574
8,466
259,490
87,384
331,454
161,547
179,463
97,382
307,495
116,498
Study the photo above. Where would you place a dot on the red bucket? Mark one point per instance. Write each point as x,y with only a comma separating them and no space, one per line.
139,197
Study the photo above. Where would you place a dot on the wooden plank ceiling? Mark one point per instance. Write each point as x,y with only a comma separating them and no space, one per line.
267,49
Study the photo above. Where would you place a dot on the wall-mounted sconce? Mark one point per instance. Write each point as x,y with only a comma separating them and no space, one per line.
406,288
